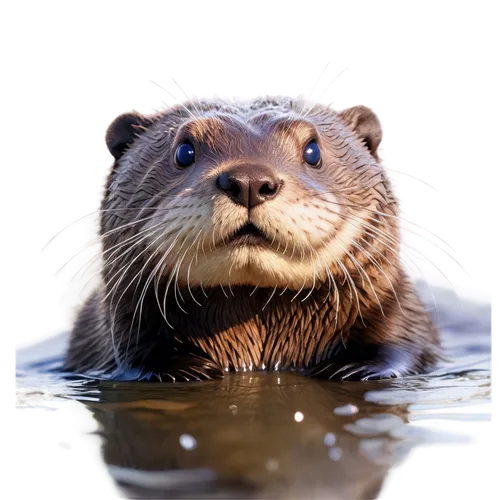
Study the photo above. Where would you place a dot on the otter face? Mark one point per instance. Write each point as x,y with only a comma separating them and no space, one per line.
260,193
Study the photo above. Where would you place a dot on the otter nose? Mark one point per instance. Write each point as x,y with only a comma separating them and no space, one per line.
249,185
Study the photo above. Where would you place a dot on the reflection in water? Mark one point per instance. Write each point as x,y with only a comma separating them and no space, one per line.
261,435
270,435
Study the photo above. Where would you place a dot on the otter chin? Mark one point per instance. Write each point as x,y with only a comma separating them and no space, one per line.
256,235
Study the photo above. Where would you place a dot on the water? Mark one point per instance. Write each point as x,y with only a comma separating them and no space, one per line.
274,435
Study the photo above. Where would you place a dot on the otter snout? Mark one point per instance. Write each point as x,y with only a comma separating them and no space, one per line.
249,185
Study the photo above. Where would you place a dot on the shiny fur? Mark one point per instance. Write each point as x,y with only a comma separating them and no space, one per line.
326,295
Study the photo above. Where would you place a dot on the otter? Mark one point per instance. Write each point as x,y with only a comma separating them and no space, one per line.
254,235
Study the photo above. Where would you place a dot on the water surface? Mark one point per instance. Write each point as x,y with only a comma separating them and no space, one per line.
280,435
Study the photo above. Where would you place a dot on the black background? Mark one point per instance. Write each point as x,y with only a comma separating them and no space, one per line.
433,120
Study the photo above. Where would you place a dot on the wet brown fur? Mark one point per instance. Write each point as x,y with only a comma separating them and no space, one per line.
358,315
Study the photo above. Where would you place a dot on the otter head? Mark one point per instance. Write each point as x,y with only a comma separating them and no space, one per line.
269,193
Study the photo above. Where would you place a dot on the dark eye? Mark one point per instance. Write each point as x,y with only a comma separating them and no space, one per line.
184,155
312,154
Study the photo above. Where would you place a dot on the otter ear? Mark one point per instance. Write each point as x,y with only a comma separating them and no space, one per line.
366,125
123,130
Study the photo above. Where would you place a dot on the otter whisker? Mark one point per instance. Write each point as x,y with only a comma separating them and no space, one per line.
293,249
412,255
324,69
197,250
176,283
274,237
198,112
354,289
379,267
331,280
140,304
328,87
325,367
229,279
107,263
95,212
286,246
174,275
188,249
99,240
203,247
172,95
255,289
223,291
163,264
213,238
341,369
314,278
270,297
302,254
404,256
114,289
328,274
221,236
416,253
337,297
230,268
353,372
358,265
417,230
299,292
406,260
118,247
161,195
138,277
188,271
399,172
170,279
443,243
392,239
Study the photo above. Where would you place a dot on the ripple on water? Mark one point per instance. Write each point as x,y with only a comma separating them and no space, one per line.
267,435
347,409
427,392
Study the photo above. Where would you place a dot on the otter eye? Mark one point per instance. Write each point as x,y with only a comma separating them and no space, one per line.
312,154
184,155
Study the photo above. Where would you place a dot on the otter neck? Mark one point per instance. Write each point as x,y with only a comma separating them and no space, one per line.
247,328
